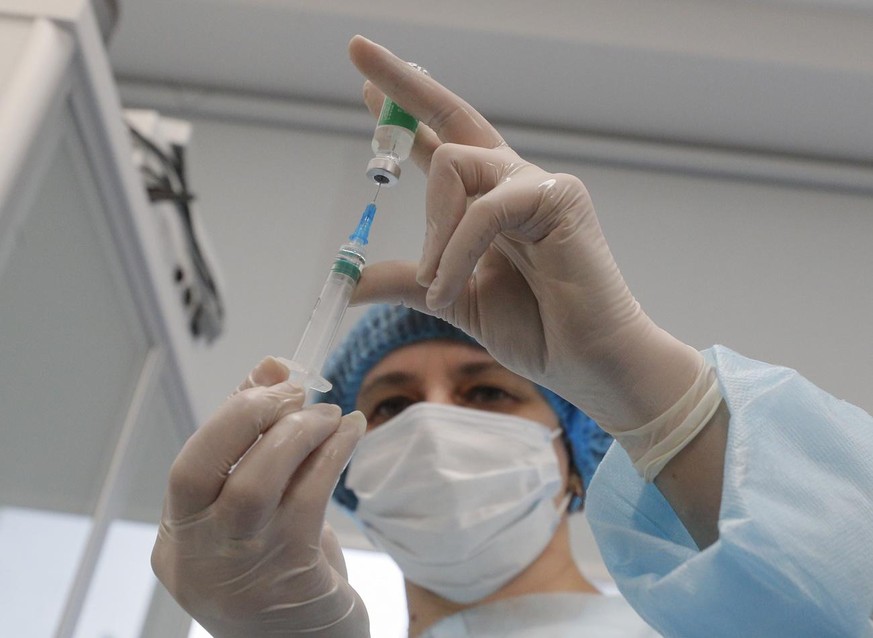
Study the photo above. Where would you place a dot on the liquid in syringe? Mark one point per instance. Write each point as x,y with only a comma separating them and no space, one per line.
309,358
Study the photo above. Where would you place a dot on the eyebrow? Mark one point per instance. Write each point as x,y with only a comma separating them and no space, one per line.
475,367
400,377
388,379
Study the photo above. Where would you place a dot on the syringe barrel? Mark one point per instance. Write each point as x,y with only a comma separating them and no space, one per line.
327,315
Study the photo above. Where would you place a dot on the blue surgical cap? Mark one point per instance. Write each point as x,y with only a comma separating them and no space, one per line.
384,329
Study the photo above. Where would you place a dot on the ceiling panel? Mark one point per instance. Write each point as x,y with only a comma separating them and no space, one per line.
770,75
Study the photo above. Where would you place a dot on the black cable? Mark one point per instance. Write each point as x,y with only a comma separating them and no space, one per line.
160,187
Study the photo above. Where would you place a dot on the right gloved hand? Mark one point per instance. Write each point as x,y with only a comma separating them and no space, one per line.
242,544
515,256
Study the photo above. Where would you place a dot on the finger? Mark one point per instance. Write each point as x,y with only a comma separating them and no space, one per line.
426,141
450,117
305,501
201,468
251,494
391,282
330,545
373,98
458,173
510,208
269,371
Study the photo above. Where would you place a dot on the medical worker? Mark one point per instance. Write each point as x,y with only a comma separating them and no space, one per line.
465,478
737,500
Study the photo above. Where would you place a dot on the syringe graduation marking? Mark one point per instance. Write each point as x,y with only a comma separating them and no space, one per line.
330,307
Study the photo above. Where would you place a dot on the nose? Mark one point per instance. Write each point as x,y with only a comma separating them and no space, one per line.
440,393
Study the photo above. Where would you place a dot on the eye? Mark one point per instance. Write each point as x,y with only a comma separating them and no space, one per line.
388,408
488,397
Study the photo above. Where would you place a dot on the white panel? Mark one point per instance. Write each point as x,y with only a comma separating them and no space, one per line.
157,444
784,77
71,345
82,345
13,37
379,581
122,585
60,9
32,91
39,553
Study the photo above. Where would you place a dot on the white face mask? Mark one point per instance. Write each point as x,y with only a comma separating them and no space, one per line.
462,499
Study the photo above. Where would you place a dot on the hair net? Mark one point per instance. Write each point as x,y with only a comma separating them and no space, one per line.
384,329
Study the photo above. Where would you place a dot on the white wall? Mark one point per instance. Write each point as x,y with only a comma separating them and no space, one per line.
277,204
774,271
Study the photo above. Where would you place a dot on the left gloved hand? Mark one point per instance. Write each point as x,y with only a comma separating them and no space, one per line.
242,544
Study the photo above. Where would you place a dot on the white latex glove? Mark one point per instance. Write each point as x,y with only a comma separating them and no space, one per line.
242,545
515,257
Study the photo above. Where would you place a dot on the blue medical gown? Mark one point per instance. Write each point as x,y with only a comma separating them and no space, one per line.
795,549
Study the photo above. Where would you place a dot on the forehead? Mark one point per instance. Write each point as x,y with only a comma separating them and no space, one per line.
432,357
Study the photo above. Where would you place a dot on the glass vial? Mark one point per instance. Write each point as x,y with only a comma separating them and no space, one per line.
392,141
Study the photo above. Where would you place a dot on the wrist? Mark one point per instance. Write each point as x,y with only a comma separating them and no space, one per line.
653,445
637,376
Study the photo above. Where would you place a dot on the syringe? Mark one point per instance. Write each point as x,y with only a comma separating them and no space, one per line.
328,312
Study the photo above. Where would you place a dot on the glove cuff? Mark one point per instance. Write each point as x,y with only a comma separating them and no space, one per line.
654,444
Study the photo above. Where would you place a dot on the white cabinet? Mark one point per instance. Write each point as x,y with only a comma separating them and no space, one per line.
93,398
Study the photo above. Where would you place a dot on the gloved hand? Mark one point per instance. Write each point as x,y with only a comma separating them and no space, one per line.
515,256
242,545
